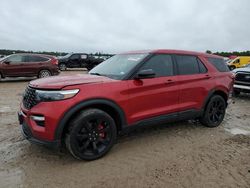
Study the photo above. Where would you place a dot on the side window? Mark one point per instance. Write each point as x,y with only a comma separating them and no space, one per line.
36,59
219,64
187,64
162,65
202,67
75,57
15,59
84,56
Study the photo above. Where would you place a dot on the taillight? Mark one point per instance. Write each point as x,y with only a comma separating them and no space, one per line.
54,61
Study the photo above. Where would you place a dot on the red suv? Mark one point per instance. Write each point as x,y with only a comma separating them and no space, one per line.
28,65
86,112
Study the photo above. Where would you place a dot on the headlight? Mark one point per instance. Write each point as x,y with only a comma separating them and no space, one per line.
55,95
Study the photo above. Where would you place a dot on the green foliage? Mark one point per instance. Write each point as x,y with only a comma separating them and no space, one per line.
227,54
9,52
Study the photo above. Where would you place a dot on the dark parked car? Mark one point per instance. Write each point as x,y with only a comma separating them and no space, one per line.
78,60
86,112
28,65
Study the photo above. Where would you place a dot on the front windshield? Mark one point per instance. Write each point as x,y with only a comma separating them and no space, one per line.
118,66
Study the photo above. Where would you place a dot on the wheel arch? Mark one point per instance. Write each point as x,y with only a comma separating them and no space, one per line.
213,92
108,106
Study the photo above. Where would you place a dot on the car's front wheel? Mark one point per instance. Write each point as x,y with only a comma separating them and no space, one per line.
62,67
91,134
214,112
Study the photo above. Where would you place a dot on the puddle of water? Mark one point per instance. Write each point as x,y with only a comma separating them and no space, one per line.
235,131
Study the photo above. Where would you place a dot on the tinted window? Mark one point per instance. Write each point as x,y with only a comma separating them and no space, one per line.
36,59
162,65
75,56
15,58
219,64
202,67
187,64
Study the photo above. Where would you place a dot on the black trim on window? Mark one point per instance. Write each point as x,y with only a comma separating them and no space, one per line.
198,60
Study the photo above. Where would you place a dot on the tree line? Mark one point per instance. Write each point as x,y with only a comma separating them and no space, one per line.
9,52
227,54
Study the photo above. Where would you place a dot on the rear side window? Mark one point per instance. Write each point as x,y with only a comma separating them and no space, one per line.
162,65
188,65
219,64
36,59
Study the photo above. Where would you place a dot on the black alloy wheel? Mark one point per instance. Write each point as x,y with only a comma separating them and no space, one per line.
214,112
91,135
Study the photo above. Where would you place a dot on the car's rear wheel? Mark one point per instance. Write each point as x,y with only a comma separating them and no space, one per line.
91,134
44,74
62,67
214,112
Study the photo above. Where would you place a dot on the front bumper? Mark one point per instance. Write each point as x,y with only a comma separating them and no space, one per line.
26,132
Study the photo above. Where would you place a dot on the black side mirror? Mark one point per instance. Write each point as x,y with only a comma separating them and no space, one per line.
143,74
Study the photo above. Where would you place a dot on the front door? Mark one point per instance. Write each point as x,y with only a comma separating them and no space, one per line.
14,66
154,96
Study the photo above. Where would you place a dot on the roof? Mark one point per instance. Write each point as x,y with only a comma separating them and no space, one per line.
35,54
170,51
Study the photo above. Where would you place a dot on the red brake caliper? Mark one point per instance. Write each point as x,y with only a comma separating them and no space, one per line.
101,134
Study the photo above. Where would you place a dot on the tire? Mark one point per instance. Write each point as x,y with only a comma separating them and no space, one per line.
62,67
1,77
214,112
44,74
91,135
232,67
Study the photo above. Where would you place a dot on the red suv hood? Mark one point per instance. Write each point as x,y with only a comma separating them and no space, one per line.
58,82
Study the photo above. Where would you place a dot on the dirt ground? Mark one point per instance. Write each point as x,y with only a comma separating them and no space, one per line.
183,154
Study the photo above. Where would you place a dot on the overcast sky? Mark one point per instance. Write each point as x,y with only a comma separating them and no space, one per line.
121,25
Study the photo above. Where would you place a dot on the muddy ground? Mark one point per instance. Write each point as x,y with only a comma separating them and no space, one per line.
183,154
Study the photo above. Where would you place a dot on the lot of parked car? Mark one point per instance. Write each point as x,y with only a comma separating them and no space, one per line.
148,157
79,60
85,113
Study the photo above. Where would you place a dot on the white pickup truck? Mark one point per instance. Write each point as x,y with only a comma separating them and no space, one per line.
242,80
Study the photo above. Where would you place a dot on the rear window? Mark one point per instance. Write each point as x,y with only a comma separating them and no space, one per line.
188,65
219,64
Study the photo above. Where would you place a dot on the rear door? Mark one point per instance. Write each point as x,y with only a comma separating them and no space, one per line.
154,96
35,63
194,80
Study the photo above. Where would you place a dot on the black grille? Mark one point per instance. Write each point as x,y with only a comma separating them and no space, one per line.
29,98
242,77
